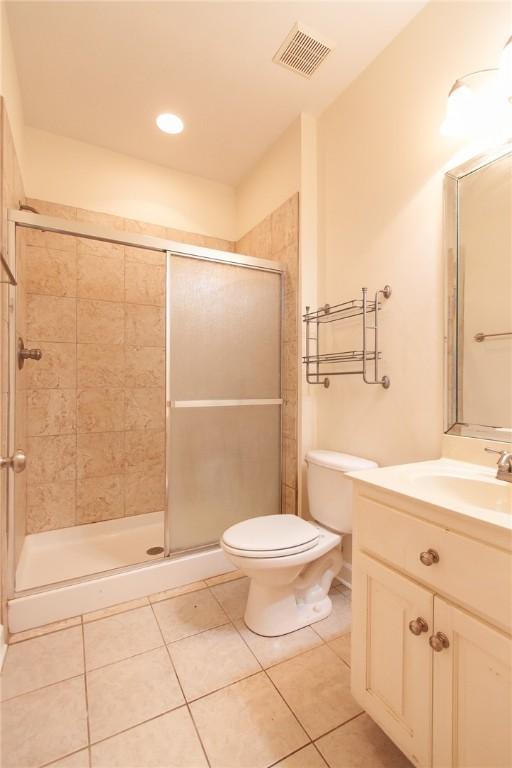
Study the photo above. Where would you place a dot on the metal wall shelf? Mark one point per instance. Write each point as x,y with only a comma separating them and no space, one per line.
316,362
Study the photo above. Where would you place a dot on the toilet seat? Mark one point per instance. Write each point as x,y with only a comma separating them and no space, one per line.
270,536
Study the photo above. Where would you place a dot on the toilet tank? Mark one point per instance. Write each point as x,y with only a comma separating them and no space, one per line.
329,491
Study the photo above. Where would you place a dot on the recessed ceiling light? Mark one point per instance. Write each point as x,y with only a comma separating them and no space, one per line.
169,123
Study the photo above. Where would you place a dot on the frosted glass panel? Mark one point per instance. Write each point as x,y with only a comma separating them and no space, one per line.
225,467
225,326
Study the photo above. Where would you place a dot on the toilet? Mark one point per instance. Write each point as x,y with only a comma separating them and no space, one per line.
291,562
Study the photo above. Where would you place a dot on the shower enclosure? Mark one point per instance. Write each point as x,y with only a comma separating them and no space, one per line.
145,394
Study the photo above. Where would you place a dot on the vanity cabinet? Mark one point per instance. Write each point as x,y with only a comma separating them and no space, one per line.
431,645
391,667
472,718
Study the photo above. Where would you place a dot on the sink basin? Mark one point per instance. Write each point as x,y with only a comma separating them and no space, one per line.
467,489
486,493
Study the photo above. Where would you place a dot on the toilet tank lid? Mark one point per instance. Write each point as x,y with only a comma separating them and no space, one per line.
342,462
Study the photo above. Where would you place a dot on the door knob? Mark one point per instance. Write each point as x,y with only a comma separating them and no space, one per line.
429,557
18,461
417,626
27,354
438,641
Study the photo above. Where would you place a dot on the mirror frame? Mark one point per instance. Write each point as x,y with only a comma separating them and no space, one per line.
453,318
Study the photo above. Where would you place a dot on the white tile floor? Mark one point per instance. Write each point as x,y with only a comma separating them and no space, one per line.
178,681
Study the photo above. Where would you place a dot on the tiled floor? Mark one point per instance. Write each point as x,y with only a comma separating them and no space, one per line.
178,681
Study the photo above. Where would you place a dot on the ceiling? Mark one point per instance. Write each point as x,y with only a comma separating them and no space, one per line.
100,72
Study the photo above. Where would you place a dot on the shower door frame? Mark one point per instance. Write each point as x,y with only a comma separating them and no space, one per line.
169,248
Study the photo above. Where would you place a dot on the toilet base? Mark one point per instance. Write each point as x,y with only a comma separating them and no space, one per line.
284,613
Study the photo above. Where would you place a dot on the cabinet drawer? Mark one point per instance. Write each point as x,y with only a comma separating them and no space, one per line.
474,574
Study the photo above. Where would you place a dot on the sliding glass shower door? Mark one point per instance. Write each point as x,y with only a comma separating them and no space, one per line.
144,391
224,390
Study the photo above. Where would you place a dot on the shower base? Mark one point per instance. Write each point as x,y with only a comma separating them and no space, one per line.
82,553
70,553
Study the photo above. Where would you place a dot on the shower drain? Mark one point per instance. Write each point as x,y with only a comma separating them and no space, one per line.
154,551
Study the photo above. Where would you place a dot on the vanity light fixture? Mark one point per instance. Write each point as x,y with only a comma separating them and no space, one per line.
480,103
169,123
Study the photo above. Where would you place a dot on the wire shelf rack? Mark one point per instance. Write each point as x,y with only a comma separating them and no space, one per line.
332,313
319,364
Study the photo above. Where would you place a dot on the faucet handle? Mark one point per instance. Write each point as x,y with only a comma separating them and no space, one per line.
504,464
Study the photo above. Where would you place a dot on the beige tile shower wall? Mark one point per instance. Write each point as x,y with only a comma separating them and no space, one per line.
96,400
277,238
11,192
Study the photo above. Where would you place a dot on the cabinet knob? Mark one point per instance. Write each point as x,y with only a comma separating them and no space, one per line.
417,626
438,641
429,557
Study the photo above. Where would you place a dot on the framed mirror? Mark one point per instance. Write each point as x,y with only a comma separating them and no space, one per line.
478,244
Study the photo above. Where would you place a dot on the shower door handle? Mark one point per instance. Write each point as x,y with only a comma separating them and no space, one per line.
18,461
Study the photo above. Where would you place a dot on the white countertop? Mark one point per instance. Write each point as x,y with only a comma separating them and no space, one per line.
468,489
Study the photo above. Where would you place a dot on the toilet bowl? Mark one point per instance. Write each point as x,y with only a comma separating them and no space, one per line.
291,562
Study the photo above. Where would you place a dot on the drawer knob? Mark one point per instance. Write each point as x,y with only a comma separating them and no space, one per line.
429,557
438,641
417,626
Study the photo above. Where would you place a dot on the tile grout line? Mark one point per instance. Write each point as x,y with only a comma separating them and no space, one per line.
271,682
70,754
42,688
281,697
135,725
125,658
323,642
295,751
86,697
230,622
116,613
75,501
182,691
124,464
224,687
45,634
341,725
315,745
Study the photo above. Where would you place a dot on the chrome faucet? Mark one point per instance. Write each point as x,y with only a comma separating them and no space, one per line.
504,464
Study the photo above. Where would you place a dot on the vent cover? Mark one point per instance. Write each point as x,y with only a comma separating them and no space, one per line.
303,51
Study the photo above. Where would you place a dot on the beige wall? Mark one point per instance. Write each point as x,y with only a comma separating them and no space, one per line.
9,86
272,180
381,166
86,176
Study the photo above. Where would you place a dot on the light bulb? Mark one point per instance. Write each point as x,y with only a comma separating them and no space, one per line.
459,110
169,123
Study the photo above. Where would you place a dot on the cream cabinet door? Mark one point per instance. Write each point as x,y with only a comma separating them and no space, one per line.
392,666
472,693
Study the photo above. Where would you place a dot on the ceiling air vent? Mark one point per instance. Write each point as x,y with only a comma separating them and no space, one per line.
303,51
